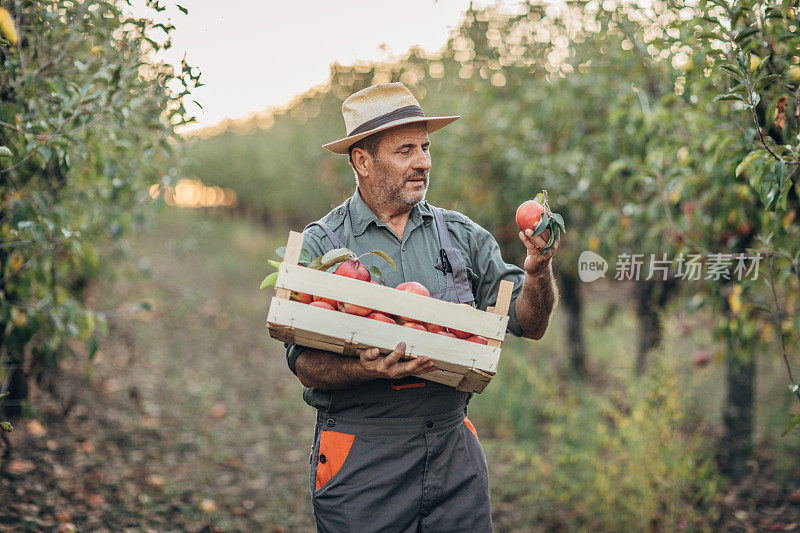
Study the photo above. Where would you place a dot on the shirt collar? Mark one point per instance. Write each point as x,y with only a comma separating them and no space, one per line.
361,215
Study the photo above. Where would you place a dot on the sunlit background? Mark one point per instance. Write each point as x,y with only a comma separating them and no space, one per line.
258,55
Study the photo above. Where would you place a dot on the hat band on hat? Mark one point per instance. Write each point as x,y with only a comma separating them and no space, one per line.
401,112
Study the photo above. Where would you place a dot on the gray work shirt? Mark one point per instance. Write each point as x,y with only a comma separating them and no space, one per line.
417,258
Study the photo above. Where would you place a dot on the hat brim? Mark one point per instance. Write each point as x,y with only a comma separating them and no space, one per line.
342,146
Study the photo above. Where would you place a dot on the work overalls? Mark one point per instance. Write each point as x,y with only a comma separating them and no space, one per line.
372,470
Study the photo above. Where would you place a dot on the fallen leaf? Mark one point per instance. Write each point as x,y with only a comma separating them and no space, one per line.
96,500
155,480
87,447
20,467
219,410
36,429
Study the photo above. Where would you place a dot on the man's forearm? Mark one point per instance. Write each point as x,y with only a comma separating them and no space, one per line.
325,370
536,302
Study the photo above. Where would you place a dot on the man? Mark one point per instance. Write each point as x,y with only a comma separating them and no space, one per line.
394,452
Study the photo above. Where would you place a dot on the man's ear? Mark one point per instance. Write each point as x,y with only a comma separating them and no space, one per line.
360,158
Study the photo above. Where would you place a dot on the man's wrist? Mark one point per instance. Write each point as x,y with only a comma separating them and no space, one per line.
541,269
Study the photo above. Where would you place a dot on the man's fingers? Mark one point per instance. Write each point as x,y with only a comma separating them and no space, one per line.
533,244
395,356
370,354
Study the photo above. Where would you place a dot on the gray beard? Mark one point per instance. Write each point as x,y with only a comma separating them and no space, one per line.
396,195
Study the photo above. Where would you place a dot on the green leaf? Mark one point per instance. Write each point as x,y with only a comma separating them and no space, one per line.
791,424
281,251
383,255
728,96
7,427
5,152
315,263
92,348
305,256
182,9
4,395
542,225
747,161
337,255
745,33
735,72
276,264
552,240
559,220
539,198
269,281
375,272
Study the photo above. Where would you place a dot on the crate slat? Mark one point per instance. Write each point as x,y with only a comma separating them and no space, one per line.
392,301
317,321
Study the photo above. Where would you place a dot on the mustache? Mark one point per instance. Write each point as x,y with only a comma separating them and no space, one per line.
417,175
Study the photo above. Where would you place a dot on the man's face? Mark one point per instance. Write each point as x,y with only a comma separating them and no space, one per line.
401,168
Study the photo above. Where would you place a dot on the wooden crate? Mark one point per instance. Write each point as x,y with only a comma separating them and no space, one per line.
465,365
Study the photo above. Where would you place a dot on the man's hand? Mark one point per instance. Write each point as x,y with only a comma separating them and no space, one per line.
390,367
535,262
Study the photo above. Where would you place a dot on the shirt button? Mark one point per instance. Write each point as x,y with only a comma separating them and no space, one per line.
330,422
322,458
429,424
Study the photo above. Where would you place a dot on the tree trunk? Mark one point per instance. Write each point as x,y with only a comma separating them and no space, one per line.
571,299
651,297
736,447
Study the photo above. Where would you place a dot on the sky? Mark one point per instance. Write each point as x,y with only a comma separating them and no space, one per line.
256,54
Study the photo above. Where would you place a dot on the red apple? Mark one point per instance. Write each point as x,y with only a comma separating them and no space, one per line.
353,309
322,304
415,287
375,315
302,297
478,339
414,325
529,214
446,334
332,303
352,269
433,328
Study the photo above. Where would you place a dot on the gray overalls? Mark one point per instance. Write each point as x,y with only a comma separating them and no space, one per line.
372,470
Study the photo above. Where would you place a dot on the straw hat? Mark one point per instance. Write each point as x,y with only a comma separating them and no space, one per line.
378,108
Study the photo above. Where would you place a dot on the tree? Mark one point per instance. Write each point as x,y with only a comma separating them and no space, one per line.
86,123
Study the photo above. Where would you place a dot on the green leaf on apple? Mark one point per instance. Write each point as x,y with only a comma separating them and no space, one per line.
559,220
542,225
337,255
269,281
375,272
383,255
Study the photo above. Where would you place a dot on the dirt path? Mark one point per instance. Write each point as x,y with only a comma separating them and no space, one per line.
191,421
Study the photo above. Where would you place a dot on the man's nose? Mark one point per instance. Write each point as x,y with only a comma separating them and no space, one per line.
422,161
